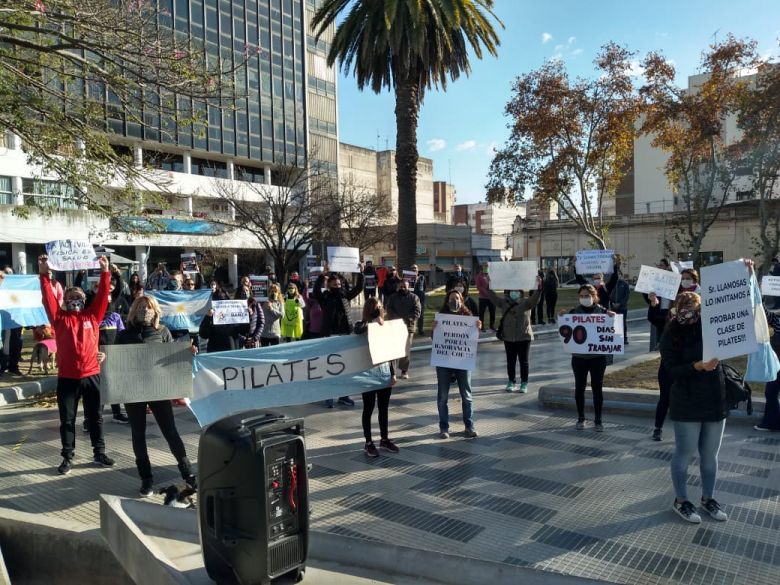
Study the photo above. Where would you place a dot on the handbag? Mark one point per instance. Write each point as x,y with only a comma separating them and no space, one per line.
763,364
500,330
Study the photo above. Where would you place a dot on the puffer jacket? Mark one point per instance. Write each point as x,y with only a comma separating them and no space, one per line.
695,396
516,315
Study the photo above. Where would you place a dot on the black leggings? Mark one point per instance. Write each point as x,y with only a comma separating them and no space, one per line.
595,367
551,302
515,350
369,399
664,388
491,308
163,414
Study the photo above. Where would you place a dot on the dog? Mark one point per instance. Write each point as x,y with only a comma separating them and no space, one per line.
176,498
42,358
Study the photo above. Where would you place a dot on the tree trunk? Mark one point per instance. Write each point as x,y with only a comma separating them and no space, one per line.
407,108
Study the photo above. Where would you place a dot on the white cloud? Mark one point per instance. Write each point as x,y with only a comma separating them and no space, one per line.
576,52
492,148
636,69
435,144
572,40
546,37
468,145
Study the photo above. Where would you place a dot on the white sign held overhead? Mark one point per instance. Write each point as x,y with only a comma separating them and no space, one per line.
230,312
682,265
770,286
591,334
455,341
727,323
343,259
663,283
518,275
387,342
71,255
595,261
189,263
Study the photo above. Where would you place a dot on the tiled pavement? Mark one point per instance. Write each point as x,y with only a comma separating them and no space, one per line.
529,491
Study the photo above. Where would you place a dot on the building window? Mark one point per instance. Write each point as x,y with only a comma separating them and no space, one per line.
249,174
745,195
209,168
50,194
706,258
6,191
164,161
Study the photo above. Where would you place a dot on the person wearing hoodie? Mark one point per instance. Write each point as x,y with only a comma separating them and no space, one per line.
143,326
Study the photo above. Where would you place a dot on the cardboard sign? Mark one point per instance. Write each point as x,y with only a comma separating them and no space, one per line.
343,259
594,334
189,263
314,274
259,286
663,283
455,341
71,255
727,324
595,261
369,281
682,265
388,341
311,261
518,275
409,276
145,372
770,286
230,312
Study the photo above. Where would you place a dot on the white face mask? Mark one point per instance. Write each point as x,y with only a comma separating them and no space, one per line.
686,283
460,289
597,282
586,301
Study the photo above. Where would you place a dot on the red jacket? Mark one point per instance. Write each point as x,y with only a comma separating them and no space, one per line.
77,332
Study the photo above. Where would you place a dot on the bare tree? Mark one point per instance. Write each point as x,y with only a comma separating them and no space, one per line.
365,216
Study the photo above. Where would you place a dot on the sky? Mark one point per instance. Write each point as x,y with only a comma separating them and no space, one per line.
459,128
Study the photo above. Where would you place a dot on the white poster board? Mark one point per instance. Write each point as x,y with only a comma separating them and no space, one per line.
727,324
189,263
230,312
770,286
682,265
595,261
145,372
259,285
455,341
343,259
518,275
71,255
409,276
594,334
388,341
314,274
663,283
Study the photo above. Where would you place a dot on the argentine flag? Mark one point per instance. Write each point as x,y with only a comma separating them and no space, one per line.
20,302
182,309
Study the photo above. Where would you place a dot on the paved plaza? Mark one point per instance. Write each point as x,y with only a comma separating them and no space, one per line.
530,490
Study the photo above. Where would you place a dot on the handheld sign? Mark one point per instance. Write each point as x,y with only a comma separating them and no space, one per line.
594,334
369,282
663,283
727,324
409,276
682,265
595,261
314,274
388,341
259,286
145,372
189,263
518,275
455,341
230,312
71,255
343,259
770,286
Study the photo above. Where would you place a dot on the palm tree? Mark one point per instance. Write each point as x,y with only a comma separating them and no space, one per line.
408,46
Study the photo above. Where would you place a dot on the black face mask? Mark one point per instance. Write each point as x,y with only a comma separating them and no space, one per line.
375,314
403,291
336,291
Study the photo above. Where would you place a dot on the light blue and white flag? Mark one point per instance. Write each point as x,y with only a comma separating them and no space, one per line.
227,382
182,309
20,302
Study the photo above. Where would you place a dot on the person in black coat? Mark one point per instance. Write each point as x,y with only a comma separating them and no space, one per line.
221,337
697,406
603,288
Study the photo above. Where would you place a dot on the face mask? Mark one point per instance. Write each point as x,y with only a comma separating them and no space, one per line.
454,305
586,301
686,283
74,305
685,316
375,314
336,290
148,316
403,291
598,282
291,294
460,289
514,295
214,288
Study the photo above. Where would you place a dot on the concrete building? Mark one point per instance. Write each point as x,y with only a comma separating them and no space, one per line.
444,197
291,109
491,229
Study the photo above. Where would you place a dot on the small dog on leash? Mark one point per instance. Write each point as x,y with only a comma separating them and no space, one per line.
176,498
42,357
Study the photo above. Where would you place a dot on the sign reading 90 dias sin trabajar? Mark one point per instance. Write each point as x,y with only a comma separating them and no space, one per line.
595,334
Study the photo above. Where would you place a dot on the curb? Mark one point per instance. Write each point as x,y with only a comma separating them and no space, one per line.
25,390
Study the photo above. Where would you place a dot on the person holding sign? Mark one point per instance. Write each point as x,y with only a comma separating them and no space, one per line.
697,406
143,326
76,329
593,364
221,337
370,279
516,332
292,320
404,305
454,305
603,288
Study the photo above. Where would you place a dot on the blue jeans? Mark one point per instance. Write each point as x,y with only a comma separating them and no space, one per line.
771,418
464,385
688,438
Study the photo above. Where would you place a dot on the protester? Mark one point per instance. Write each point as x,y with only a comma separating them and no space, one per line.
462,286
373,313
603,288
111,325
295,280
404,305
771,419
482,281
221,337
78,377
159,279
618,301
550,288
697,406
292,317
56,288
371,281
11,343
133,286
312,319
272,313
418,288
244,289
689,281
454,305
658,320
120,283
584,364
143,326
176,280
189,284
537,313
256,323
456,276
390,285
516,332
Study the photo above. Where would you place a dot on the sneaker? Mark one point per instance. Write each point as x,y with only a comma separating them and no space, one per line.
404,375
523,388
103,460
388,445
510,386
121,418
85,426
687,512
444,435
191,481
146,490
329,403
470,433
179,402
347,401
185,470
580,425
657,434
65,467
371,450
598,427
713,509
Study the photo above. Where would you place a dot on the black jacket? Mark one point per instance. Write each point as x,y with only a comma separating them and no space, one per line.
221,337
604,291
592,310
336,317
695,396
144,334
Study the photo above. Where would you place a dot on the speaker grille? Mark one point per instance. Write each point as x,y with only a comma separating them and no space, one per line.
284,556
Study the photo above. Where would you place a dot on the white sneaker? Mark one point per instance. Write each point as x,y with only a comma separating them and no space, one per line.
523,388
404,376
687,512
713,509
510,386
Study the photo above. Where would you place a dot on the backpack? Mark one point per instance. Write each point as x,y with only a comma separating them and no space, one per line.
737,390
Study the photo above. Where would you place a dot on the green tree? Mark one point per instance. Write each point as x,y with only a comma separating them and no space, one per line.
408,46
